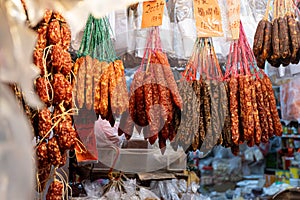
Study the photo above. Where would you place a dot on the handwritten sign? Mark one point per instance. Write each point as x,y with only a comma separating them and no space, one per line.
234,18
208,18
153,12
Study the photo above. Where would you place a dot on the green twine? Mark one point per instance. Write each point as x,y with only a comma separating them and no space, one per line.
96,41
84,46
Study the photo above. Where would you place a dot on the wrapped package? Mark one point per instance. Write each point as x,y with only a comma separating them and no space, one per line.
186,26
121,32
290,100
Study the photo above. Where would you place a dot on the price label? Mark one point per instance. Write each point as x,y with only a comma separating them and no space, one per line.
208,18
234,18
153,12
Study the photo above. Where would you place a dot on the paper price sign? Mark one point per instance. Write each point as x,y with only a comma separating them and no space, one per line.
153,12
208,18
234,18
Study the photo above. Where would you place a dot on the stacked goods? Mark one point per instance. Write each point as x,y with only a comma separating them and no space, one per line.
101,83
155,103
278,42
253,112
54,125
205,100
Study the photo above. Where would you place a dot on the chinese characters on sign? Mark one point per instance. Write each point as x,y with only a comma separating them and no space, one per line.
208,18
152,13
234,17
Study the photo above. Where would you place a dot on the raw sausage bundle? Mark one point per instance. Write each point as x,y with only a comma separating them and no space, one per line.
155,101
253,114
204,103
278,42
101,83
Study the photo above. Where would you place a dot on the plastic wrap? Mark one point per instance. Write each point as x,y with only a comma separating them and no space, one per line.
144,194
222,152
131,31
167,190
106,135
15,150
258,9
222,44
165,31
227,169
112,194
248,20
121,31
93,189
186,26
290,100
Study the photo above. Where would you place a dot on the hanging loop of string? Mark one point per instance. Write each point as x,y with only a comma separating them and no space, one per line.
96,41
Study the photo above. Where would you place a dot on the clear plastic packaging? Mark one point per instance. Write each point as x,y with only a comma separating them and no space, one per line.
121,31
185,24
93,189
165,31
290,100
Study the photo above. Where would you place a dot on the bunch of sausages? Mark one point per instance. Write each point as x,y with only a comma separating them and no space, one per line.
253,114
155,103
101,86
205,100
101,83
278,41
54,123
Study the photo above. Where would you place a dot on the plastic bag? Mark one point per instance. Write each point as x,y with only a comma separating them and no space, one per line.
257,7
93,189
165,32
112,194
290,100
249,23
131,31
222,152
147,194
167,189
178,43
105,134
121,32
185,23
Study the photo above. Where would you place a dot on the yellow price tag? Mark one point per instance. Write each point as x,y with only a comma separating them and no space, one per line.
153,12
208,18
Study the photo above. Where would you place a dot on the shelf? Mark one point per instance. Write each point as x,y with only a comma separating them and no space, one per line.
291,136
271,169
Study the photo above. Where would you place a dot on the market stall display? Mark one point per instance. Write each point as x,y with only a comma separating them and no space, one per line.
176,101
101,84
55,133
154,102
254,116
205,100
